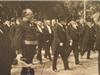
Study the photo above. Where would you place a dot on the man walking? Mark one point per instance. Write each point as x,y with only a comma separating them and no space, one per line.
59,44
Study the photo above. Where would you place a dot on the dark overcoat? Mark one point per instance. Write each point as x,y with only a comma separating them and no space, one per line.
88,38
60,35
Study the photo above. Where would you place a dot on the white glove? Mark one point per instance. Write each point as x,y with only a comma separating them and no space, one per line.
20,62
61,44
19,56
31,65
47,41
70,42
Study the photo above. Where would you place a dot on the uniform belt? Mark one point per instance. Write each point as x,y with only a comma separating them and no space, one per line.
30,42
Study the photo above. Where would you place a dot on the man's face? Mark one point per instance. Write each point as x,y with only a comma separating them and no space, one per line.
30,16
47,22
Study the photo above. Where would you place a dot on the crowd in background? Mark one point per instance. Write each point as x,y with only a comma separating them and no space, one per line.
28,36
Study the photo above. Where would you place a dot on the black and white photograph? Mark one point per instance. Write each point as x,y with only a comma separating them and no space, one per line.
49,37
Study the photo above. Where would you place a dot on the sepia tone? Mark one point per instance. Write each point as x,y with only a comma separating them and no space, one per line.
49,37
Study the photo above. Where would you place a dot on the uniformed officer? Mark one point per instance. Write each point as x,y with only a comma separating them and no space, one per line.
25,39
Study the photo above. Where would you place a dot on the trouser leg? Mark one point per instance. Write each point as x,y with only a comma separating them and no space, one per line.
68,51
64,58
76,56
76,52
47,51
55,57
88,54
29,52
39,54
27,71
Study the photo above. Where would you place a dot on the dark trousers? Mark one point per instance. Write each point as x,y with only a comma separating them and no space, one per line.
76,56
28,52
88,53
27,71
99,62
47,50
62,52
39,54
75,50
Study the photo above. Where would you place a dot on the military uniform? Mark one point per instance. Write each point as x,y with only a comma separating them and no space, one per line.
25,40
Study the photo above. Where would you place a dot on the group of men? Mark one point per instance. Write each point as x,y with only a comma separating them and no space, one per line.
27,36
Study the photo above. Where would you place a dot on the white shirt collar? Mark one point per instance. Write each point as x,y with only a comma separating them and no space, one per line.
60,24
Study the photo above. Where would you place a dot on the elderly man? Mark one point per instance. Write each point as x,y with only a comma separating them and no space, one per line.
25,39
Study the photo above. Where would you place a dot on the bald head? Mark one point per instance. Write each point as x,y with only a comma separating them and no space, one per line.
28,13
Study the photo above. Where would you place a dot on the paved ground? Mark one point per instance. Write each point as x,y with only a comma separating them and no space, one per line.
87,67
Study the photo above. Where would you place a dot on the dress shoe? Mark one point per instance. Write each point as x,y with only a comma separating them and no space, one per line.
54,69
66,68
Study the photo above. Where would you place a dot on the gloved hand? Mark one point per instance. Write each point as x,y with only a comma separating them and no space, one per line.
61,44
17,59
19,56
47,41
71,41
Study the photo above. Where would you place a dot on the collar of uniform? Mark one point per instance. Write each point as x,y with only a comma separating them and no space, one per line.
60,24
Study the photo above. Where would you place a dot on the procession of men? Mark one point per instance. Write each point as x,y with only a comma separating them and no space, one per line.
23,38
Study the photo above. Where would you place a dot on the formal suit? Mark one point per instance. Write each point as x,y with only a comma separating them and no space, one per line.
41,41
59,37
81,29
48,35
74,34
12,31
25,40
